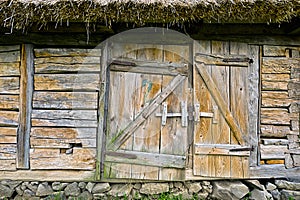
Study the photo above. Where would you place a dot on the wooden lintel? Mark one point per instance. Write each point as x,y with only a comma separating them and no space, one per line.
26,91
232,60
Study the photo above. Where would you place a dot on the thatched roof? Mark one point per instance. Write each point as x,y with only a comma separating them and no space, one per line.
16,14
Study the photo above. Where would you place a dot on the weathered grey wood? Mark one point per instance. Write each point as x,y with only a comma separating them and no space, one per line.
278,116
121,137
275,99
228,60
274,51
66,82
7,151
60,52
9,118
253,104
7,166
26,90
276,171
269,152
10,102
273,131
215,149
279,65
9,48
66,68
61,143
63,133
275,141
68,60
9,85
10,69
237,133
69,118
11,56
65,100
148,159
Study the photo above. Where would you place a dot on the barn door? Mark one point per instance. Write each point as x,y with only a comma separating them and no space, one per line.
147,115
221,94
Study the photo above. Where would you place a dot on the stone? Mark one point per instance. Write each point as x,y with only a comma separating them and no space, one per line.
270,187
72,190
86,195
120,190
18,197
282,184
56,195
206,183
233,190
101,188
89,186
154,188
135,194
58,186
28,194
44,189
275,194
82,185
11,184
259,194
207,188
202,195
289,194
100,196
255,184
194,187
5,191
137,186
19,190
179,185
32,187
171,185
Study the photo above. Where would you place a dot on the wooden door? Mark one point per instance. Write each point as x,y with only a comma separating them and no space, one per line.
221,147
147,116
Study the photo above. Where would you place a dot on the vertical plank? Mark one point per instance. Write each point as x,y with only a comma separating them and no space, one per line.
202,130
239,107
221,130
26,91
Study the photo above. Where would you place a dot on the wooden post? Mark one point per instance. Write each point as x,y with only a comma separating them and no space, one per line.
26,91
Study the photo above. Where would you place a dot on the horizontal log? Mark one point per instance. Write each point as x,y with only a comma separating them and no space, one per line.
68,60
61,143
232,60
56,52
11,56
272,162
9,101
8,165
275,77
273,131
9,131
63,82
148,159
68,118
9,85
65,100
275,99
276,51
8,139
278,116
47,175
278,65
228,150
10,69
273,152
80,159
274,171
275,85
275,141
63,133
49,68
10,118
8,151
9,48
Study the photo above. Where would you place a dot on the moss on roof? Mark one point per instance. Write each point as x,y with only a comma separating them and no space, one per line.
19,14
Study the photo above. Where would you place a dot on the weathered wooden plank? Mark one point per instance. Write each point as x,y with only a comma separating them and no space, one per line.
8,165
66,82
278,65
80,159
275,141
274,51
7,139
272,162
275,85
68,60
147,111
278,116
275,99
26,91
172,174
63,133
46,175
65,100
275,171
49,68
117,171
215,150
228,60
148,159
8,151
10,69
271,152
274,131
71,118
10,56
9,48
9,85
9,101
61,143
9,131
10,118
59,52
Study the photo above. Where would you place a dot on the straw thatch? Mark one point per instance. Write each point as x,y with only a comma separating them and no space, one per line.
16,14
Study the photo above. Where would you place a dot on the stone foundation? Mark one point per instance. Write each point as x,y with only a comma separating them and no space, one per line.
237,189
